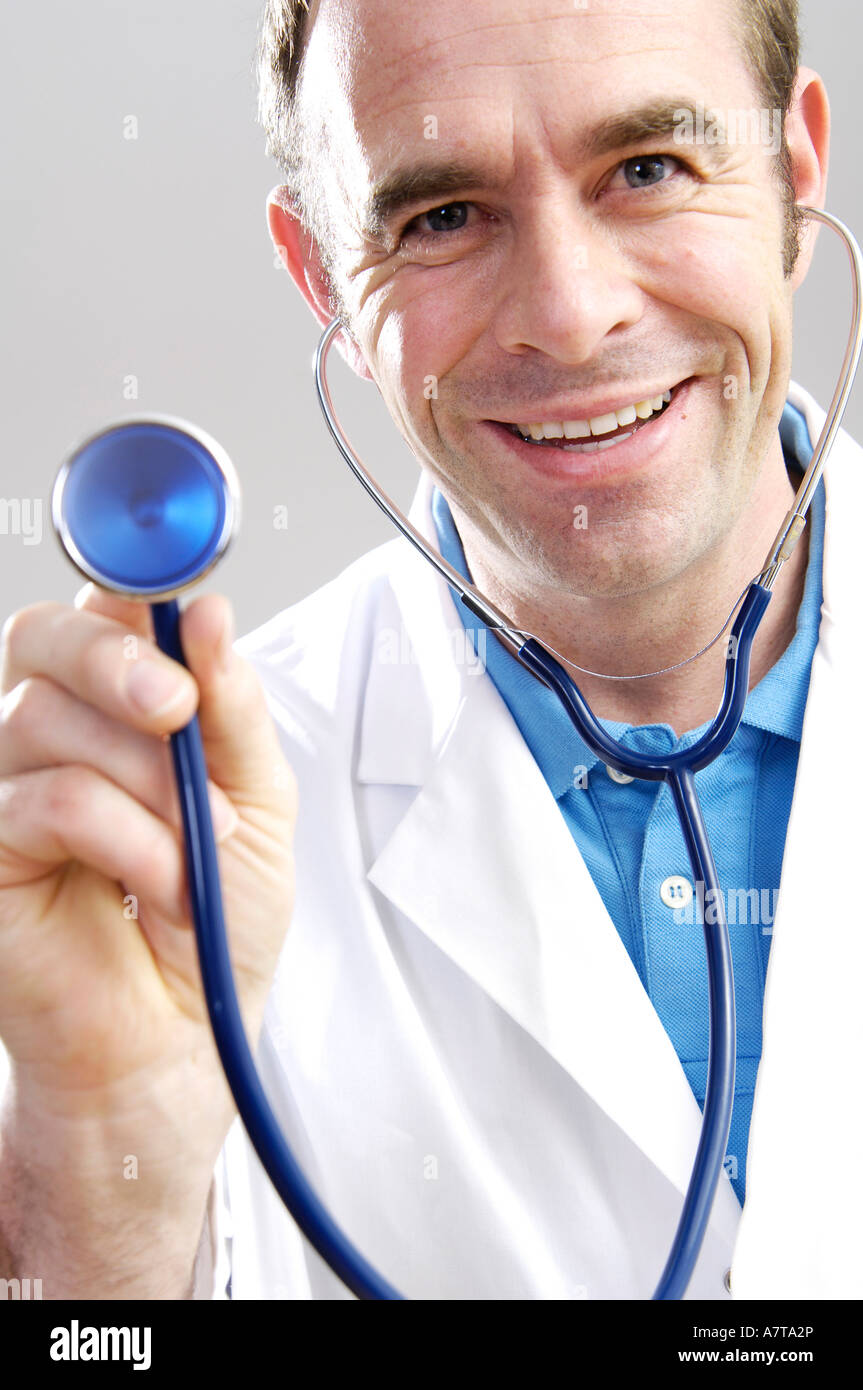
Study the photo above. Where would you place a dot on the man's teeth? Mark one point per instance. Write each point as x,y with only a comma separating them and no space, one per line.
600,424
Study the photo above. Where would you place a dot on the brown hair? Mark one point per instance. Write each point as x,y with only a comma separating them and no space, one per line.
768,31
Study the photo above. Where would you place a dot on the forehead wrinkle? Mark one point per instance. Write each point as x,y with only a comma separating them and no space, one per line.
477,64
367,41
442,99
422,49
360,47
557,58
585,16
428,99
580,59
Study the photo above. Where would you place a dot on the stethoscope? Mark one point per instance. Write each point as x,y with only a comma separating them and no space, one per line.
146,507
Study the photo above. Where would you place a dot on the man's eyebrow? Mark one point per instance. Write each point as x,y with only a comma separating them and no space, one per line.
656,120
423,183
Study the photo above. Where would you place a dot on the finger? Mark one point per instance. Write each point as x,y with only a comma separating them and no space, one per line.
124,675
133,617
242,747
42,725
57,815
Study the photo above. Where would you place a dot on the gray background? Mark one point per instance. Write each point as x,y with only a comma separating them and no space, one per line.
150,258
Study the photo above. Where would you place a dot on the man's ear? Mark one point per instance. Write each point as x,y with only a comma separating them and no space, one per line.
807,130
301,257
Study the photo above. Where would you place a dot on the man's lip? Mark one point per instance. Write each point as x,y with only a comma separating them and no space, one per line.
534,414
647,447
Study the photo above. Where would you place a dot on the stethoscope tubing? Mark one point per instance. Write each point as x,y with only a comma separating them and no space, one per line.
644,765
223,1006
679,772
721,1055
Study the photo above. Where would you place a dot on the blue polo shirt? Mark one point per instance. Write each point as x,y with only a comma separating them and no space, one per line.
630,839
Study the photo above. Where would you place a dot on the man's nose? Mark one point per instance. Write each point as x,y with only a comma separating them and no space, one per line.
568,289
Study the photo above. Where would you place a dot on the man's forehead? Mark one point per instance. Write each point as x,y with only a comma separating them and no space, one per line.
385,52
374,73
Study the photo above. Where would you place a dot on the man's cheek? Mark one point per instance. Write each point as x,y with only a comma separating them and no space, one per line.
410,394
705,264
420,358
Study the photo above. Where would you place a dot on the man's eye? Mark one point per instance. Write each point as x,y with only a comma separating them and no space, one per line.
646,170
449,217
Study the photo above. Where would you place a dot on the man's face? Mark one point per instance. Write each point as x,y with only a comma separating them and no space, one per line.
574,266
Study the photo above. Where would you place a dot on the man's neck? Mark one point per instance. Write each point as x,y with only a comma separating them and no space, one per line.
648,632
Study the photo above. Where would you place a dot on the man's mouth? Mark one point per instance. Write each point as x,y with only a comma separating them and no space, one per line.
599,432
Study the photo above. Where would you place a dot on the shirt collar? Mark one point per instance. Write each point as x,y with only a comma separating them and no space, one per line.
776,705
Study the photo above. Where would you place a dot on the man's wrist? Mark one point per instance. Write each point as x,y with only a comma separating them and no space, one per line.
92,1221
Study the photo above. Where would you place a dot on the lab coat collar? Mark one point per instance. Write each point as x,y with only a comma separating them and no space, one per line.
494,878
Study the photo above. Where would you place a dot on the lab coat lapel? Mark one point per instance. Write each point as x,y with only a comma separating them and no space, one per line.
484,865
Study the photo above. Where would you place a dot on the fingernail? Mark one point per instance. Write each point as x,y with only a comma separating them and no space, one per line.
225,816
83,594
154,688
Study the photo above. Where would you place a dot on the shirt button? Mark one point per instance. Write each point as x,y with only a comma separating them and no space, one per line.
616,776
726,1279
675,891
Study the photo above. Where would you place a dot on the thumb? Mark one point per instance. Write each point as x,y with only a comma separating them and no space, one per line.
242,748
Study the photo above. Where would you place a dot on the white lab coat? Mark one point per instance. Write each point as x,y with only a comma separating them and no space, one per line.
457,1043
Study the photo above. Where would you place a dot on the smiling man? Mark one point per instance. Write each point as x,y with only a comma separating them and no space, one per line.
591,257
563,242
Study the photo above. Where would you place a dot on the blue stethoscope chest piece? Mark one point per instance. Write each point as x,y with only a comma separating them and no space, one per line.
147,506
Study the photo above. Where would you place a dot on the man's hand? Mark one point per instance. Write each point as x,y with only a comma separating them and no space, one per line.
117,1107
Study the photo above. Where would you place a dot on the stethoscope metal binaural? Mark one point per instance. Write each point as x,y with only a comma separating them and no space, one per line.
147,506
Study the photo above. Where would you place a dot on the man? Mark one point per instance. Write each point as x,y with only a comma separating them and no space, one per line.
487,1033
